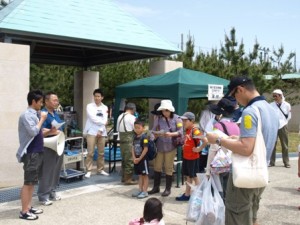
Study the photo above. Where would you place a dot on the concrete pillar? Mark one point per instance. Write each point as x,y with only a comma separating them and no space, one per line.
85,82
14,87
160,67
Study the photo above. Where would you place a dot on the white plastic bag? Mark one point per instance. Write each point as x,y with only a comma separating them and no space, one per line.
221,162
213,209
195,201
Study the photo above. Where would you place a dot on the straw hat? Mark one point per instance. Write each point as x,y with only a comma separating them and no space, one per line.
166,104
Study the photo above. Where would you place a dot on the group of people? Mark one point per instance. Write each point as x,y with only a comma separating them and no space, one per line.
42,165
133,145
240,126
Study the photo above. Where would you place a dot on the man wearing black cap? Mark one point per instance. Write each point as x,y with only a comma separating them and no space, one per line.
242,203
125,126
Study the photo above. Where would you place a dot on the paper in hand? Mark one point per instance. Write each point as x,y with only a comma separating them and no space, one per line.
57,125
159,133
199,137
220,133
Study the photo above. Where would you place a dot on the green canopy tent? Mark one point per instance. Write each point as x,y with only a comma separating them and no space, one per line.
178,85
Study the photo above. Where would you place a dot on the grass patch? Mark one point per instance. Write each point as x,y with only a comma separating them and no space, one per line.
294,141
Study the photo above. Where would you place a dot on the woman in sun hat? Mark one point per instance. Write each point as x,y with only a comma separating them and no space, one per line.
166,128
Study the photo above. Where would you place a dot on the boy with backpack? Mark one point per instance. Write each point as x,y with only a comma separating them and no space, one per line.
190,153
140,160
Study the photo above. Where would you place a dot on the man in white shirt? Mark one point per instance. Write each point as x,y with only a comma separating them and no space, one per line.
95,131
125,126
283,109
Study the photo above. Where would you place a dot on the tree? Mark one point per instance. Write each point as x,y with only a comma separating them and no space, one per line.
116,74
230,60
279,67
59,79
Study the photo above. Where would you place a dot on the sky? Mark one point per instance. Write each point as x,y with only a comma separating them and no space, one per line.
271,22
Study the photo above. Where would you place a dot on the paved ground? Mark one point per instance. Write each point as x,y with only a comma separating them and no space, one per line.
110,203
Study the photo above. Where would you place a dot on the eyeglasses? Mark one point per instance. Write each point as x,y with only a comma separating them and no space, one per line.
275,96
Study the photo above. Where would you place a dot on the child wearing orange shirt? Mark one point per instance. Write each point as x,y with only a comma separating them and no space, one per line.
190,153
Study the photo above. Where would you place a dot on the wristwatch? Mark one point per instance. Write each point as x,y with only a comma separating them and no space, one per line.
218,141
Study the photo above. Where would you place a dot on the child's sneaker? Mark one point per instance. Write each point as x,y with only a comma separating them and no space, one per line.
28,216
143,195
135,194
183,197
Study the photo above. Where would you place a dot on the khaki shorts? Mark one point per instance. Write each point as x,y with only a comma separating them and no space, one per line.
32,167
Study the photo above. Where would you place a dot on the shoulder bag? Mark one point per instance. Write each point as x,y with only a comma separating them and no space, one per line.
178,140
251,171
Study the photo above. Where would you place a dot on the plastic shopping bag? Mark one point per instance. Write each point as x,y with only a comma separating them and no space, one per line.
219,206
213,209
195,201
221,162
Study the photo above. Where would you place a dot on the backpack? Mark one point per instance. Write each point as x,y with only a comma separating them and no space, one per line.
152,149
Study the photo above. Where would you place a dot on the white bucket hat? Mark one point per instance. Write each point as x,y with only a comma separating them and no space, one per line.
166,104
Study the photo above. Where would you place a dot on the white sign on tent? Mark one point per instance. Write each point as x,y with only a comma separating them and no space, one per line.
215,92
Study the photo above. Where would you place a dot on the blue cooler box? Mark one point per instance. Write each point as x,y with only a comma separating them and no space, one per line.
106,154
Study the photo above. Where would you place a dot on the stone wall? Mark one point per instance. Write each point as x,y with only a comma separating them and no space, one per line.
14,87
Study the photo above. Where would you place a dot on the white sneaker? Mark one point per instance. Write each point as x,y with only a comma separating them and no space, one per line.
55,198
88,175
47,202
102,172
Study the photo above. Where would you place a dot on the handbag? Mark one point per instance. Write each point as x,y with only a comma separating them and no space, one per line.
177,141
252,171
221,162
